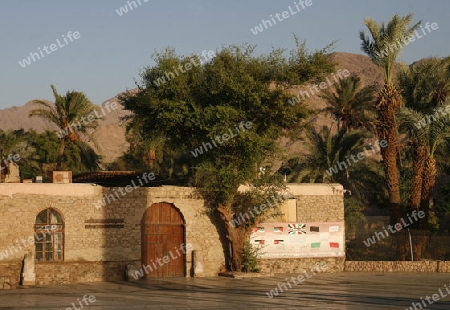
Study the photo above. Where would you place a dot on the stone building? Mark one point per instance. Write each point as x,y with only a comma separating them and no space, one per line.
65,233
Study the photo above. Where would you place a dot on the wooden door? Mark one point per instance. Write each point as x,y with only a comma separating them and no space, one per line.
162,241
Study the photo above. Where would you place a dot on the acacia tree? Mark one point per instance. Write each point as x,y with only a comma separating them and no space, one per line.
225,116
383,47
73,114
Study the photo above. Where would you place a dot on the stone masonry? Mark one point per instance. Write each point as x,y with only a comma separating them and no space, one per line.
94,253
315,203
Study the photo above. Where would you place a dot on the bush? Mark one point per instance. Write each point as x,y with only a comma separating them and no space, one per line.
250,257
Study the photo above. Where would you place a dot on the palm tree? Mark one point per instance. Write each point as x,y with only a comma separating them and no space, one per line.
426,88
426,85
74,114
383,47
350,104
424,142
325,151
321,164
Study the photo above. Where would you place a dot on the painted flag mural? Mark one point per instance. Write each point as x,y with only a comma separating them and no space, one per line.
314,228
334,244
291,240
315,245
334,228
297,229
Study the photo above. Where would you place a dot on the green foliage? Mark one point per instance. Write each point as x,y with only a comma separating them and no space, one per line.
211,100
250,257
325,150
433,221
426,85
74,115
386,41
353,214
267,187
441,207
351,105
38,153
363,178
304,67
9,140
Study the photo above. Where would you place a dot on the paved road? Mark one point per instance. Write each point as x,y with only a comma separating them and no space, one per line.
352,291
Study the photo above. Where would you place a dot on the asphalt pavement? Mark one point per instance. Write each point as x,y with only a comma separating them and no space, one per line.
352,291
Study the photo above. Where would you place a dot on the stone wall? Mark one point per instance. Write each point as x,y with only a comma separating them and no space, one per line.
299,265
97,252
10,274
398,266
70,272
315,203
318,202
100,241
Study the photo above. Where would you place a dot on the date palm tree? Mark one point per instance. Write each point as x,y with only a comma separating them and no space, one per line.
426,89
73,114
424,144
325,150
350,104
383,46
321,164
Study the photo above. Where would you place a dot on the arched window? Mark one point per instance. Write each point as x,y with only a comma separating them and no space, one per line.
49,236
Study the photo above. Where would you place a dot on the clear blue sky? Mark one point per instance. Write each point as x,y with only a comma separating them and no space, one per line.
112,49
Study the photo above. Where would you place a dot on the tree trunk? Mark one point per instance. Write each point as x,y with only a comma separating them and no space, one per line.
429,178
388,102
419,154
236,237
62,146
420,157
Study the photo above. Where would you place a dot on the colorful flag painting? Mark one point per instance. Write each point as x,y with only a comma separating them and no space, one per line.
334,228
258,229
314,228
296,229
259,241
278,229
334,244
279,242
315,245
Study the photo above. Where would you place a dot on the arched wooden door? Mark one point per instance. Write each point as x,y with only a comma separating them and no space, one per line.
163,241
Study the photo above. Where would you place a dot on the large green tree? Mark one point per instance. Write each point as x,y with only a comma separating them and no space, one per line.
224,116
73,114
383,46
